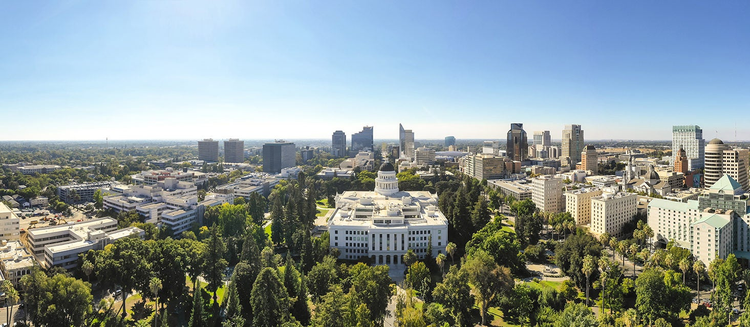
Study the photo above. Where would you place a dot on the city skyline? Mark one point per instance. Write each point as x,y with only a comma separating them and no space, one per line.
91,71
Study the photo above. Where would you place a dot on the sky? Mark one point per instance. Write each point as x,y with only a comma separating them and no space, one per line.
135,70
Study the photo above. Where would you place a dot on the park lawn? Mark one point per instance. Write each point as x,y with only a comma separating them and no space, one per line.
219,292
549,284
268,230
495,317
322,212
507,228
323,202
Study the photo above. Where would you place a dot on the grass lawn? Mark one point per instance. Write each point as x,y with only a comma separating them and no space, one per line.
268,230
219,292
321,212
323,203
495,317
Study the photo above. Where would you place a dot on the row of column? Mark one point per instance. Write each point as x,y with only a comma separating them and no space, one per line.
381,241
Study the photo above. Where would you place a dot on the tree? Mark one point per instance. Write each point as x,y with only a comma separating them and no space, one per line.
155,287
371,285
660,295
576,314
196,316
11,298
487,280
322,276
56,301
440,260
454,293
269,300
569,256
699,268
331,310
125,263
87,268
277,221
685,265
480,215
98,199
518,304
409,258
214,262
588,268
451,249
418,277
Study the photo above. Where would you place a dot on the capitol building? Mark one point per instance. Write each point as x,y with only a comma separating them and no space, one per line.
385,223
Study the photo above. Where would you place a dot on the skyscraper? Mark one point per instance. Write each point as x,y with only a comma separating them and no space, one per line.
681,161
278,155
450,140
690,138
721,160
406,141
572,143
338,144
208,150
590,159
362,140
517,146
542,138
234,150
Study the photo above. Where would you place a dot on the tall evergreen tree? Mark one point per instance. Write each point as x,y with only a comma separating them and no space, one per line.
196,317
278,222
480,216
269,299
214,261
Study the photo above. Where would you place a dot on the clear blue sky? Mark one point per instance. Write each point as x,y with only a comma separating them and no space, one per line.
74,70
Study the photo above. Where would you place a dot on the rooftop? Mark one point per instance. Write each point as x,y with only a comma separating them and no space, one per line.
715,220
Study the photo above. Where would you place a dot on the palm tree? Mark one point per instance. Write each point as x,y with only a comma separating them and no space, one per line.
633,250
713,269
699,268
451,249
440,260
622,248
669,260
87,268
604,273
604,239
685,267
155,286
649,234
11,298
613,247
588,269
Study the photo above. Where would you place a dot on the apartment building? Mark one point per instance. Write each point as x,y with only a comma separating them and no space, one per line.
611,211
578,203
546,192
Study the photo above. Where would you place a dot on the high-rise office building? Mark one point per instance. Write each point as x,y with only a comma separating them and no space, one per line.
406,141
278,155
681,162
721,160
208,150
690,138
362,141
338,144
450,140
517,146
590,159
542,138
572,143
234,150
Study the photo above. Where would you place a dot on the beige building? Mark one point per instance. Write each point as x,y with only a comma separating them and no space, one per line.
424,156
610,212
517,190
712,236
721,160
9,223
16,261
572,143
546,192
234,150
590,160
484,166
578,204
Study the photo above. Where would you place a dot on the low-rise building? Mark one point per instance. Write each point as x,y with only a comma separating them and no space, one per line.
330,173
16,261
59,246
519,190
37,169
84,191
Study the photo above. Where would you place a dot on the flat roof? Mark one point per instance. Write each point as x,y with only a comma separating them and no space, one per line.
61,228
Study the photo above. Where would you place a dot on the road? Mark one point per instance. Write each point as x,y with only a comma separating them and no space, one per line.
17,315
